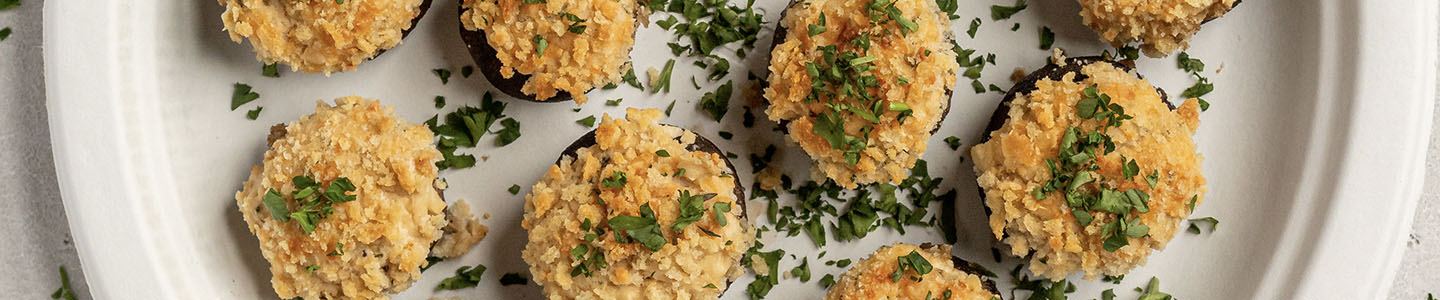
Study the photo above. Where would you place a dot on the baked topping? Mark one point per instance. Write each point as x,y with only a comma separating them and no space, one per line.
319,36
1161,26
363,239
1090,175
906,271
570,46
861,84
636,215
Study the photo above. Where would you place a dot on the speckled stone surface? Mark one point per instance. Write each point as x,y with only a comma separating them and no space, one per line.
37,237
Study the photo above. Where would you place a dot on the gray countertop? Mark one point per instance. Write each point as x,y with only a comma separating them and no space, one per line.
37,236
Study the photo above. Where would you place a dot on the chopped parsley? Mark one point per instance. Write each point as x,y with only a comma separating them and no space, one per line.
827,281
588,121
514,189
509,132
63,292
974,26
819,26
953,142
802,271
717,103
444,75
1152,291
465,277
587,256
662,82
643,229
270,70
1202,85
312,202
867,208
254,113
510,279
465,126
706,25
439,102
763,282
540,44
913,261
9,4
998,12
692,208
1047,38
1195,227
614,102
615,181
949,7
577,25
242,94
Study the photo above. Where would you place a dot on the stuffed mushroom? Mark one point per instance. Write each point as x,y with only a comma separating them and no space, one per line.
907,271
550,51
1086,168
861,85
346,204
321,36
1160,26
636,209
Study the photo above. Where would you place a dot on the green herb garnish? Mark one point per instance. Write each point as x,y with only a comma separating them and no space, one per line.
270,70
588,121
615,181
643,229
242,94
1195,227
443,74
465,277
254,113
514,189
913,261
717,103
540,43
509,132
63,292
1047,38
692,208
998,12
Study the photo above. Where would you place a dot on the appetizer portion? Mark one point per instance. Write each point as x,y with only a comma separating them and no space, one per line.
1160,26
1086,169
549,50
321,36
861,84
636,209
906,271
345,204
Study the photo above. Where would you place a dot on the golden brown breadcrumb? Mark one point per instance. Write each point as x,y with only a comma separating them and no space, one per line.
923,58
571,62
368,247
319,36
1012,164
872,278
461,234
1161,26
692,264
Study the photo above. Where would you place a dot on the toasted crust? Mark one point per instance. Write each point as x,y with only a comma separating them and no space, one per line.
872,278
572,63
1161,26
693,264
1011,163
320,36
923,57
386,232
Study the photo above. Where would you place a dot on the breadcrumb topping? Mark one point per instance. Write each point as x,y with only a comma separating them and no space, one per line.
368,247
319,36
872,278
1161,26
571,62
1012,164
923,59
691,264
461,234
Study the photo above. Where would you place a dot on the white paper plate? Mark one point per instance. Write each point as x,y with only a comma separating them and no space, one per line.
1313,148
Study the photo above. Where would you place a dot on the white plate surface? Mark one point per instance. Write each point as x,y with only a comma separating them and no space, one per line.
1313,148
